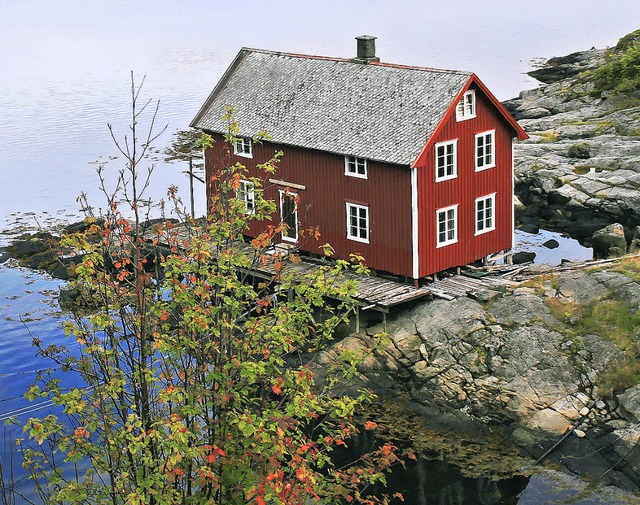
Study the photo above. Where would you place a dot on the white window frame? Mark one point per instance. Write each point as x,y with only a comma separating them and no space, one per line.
481,143
444,213
286,193
357,236
245,193
243,147
481,220
445,145
352,166
466,108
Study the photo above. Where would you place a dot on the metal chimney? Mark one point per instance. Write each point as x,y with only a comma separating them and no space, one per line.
366,49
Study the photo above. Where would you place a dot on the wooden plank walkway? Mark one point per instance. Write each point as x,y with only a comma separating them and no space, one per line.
464,285
372,292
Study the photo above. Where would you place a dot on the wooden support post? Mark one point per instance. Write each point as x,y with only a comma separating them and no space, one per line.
357,319
384,321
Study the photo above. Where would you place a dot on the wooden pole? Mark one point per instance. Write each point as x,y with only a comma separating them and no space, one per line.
193,207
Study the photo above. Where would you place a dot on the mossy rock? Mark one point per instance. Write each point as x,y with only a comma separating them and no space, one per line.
580,150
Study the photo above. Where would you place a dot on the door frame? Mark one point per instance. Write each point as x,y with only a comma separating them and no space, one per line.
288,194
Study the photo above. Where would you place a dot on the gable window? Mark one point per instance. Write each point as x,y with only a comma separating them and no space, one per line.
244,193
447,226
243,147
355,167
446,162
466,108
485,213
358,222
485,150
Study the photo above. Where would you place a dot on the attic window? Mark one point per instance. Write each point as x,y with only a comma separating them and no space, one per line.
243,147
466,108
355,167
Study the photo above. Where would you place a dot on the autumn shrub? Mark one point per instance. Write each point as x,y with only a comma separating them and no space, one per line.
199,386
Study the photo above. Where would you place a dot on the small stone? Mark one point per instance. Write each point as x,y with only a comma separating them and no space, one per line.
600,405
579,433
584,411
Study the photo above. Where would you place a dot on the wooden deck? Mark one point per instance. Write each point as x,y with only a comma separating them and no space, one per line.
464,285
372,292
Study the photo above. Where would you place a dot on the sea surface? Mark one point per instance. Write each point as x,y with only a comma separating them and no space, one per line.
65,73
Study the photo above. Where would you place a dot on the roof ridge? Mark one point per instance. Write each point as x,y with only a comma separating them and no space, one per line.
350,60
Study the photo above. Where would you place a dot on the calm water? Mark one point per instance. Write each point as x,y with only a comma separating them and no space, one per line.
65,75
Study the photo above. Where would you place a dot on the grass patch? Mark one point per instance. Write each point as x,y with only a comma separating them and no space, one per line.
548,135
620,324
613,320
564,311
629,266
542,282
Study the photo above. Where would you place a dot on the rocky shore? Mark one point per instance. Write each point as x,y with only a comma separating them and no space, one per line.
527,363
580,170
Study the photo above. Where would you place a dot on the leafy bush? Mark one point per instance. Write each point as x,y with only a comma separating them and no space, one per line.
621,74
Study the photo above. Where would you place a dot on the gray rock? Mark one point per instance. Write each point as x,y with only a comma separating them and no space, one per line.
523,257
599,174
581,287
580,150
609,241
629,404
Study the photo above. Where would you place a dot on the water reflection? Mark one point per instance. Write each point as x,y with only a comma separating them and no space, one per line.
428,482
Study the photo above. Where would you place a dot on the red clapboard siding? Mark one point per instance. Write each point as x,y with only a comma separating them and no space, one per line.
386,191
464,189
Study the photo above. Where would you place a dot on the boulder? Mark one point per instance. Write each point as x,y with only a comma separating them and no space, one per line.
523,257
580,150
609,241
629,404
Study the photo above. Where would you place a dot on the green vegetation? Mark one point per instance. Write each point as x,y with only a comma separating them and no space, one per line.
198,385
619,323
621,73
613,320
548,136
579,150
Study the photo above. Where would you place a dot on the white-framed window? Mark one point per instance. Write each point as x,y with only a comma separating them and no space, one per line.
244,193
485,150
289,215
466,108
355,167
447,226
243,147
358,222
446,160
485,213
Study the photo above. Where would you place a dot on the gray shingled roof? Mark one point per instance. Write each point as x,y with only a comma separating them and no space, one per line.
378,112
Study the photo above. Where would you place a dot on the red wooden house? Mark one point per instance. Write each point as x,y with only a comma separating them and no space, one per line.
410,167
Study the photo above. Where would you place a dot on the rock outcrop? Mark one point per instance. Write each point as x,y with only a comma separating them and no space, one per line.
523,361
580,170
